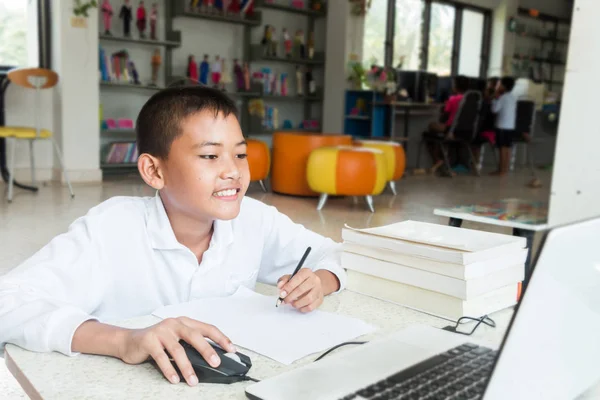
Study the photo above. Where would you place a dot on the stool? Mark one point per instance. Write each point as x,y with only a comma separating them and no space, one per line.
290,155
346,171
259,161
395,158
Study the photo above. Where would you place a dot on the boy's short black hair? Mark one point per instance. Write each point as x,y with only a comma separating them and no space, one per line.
159,122
508,82
461,83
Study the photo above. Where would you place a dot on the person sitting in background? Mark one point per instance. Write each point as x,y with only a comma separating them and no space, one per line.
487,118
440,130
504,106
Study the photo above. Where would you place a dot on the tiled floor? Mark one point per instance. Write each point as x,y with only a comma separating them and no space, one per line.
33,219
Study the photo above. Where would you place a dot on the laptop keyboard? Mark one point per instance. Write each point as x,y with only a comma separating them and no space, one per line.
460,373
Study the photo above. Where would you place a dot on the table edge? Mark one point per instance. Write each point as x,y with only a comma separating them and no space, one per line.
469,217
19,375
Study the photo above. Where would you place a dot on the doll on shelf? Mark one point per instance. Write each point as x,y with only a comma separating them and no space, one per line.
234,7
153,19
156,62
273,42
287,43
107,13
204,70
239,75
299,43
247,8
192,69
246,76
225,75
299,81
141,19
209,6
126,14
310,82
194,5
266,40
225,4
216,72
134,73
311,45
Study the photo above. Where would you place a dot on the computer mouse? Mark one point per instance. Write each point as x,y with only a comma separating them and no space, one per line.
233,367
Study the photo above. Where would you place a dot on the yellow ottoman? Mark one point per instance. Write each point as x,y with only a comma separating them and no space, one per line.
346,171
395,158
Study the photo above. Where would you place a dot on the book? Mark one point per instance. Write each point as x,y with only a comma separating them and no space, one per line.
443,236
438,253
460,271
430,302
463,289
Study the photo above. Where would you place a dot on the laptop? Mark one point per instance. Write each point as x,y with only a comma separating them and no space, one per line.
551,349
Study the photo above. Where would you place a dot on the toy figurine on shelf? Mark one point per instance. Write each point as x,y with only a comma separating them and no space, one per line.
234,7
273,43
192,69
239,75
141,19
246,8
134,73
225,75
216,72
156,61
194,5
311,45
209,6
299,44
107,13
284,86
310,82
287,43
126,14
316,5
266,40
225,4
246,76
299,81
153,19
204,70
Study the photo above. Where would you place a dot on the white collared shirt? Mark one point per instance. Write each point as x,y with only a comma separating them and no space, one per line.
122,260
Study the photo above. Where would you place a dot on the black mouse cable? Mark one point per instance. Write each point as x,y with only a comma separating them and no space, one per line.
249,378
335,348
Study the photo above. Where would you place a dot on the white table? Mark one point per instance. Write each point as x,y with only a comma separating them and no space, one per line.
54,376
523,216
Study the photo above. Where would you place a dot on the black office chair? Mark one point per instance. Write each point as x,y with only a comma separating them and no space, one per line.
463,129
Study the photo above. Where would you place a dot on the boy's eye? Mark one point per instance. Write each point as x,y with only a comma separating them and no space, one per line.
209,157
242,156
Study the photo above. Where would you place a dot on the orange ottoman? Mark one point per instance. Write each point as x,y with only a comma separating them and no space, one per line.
290,156
259,161
394,157
347,171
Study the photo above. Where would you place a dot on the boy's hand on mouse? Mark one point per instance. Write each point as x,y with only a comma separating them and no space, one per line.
305,291
161,340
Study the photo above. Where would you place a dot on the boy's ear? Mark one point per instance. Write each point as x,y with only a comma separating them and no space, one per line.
151,171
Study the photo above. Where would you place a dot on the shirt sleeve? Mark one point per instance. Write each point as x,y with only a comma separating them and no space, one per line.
44,300
285,243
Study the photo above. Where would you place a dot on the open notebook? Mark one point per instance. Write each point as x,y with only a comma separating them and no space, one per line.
283,334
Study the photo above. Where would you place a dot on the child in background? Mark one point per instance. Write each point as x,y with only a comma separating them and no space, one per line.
439,130
504,106
487,119
198,237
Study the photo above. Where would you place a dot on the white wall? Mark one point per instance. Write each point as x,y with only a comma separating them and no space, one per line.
575,191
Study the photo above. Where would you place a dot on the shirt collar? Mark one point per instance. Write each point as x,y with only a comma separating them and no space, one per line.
162,235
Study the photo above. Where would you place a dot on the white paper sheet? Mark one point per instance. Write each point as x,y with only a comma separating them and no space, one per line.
283,334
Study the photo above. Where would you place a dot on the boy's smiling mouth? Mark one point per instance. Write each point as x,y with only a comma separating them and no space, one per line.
227,194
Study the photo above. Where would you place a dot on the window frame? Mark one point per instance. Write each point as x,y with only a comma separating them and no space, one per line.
456,42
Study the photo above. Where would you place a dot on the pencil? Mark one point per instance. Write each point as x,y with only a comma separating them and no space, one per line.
308,249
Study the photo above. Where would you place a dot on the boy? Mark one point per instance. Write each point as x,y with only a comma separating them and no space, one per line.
504,106
198,237
439,130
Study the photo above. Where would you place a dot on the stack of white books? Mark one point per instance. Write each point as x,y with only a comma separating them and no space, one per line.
442,270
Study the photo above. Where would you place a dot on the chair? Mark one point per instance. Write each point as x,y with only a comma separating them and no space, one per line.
463,129
38,79
259,161
394,157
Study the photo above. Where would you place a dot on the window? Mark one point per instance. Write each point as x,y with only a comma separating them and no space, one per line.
375,22
407,33
471,39
18,33
441,39
440,36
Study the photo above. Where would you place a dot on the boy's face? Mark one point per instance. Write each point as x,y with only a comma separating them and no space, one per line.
500,87
206,174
